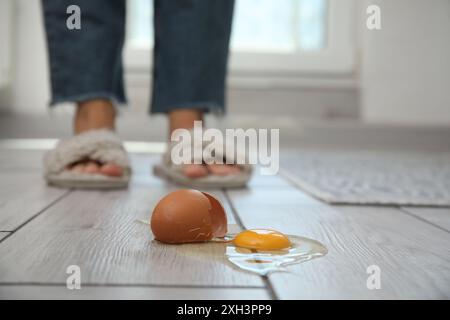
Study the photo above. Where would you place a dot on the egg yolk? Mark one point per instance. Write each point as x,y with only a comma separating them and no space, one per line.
262,239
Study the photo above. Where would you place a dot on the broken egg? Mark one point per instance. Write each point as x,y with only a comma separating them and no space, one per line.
188,215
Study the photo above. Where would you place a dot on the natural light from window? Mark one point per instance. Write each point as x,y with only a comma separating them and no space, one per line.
260,26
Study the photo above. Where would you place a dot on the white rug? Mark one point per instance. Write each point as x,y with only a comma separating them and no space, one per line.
343,177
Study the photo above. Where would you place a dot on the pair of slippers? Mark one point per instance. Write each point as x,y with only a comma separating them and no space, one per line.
104,146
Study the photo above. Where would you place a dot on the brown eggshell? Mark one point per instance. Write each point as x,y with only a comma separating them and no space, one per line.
182,216
218,217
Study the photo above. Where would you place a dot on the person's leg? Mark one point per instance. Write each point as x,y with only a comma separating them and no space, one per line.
184,118
190,61
90,115
86,65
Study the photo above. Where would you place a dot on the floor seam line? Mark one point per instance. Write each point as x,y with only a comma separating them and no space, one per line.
143,285
408,213
265,279
62,196
237,218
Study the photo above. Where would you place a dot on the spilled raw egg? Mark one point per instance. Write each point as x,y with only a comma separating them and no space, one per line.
187,216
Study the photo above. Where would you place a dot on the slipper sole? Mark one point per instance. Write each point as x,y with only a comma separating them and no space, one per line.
230,181
101,183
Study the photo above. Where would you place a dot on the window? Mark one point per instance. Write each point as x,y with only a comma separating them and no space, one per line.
270,36
279,26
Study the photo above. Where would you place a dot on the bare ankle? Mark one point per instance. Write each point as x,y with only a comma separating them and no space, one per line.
94,114
184,118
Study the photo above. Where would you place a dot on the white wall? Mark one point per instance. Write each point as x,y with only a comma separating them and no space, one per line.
406,65
5,41
30,87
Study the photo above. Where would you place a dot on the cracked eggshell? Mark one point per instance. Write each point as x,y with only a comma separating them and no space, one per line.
218,217
188,216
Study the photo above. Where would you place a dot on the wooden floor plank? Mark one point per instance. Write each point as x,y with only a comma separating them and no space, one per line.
28,292
272,181
271,197
23,195
413,256
98,232
437,216
21,160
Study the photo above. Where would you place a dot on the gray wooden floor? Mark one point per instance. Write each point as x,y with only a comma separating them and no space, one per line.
44,230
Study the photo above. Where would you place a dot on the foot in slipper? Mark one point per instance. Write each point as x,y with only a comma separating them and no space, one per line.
199,175
94,157
204,175
95,167
199,170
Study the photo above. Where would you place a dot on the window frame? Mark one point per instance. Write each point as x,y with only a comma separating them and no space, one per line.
337,59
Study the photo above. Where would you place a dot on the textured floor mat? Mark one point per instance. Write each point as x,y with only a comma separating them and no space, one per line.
372,177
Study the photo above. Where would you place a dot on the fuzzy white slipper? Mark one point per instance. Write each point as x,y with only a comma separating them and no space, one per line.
101,145
173,172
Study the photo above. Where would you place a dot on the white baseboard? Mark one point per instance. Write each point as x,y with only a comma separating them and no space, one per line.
315,98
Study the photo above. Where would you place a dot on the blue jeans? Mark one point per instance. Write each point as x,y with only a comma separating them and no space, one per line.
190,52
